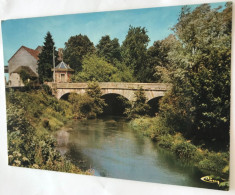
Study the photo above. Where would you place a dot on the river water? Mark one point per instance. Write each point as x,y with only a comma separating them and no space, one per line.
110,147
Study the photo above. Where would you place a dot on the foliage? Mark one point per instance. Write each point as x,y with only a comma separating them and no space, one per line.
26,77
198,104
88,105
75,49
123,73
95,68
134,51
46,89
45,62
159,65
185,150
139,106
218,163
109,49
208,162
95,93
29,143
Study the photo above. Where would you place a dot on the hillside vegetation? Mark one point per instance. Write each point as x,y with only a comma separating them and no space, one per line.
32,116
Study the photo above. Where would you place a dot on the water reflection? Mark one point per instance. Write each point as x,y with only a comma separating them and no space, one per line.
112,149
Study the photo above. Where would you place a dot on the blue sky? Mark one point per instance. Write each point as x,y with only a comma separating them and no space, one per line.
30,32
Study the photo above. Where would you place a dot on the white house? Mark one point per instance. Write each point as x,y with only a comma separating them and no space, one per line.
24,59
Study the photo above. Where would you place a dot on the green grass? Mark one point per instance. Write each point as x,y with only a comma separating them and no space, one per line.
209,162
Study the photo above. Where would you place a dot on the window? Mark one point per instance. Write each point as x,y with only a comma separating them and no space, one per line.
62,78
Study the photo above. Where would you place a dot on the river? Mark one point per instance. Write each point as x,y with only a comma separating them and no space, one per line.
110,147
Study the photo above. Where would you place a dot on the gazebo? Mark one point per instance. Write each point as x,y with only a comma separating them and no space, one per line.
62,73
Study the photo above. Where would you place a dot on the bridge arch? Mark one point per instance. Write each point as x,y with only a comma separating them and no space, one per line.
65,96
116,104
65,92
129,95
154,105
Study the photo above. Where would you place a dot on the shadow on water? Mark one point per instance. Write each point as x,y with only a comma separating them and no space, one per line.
113,149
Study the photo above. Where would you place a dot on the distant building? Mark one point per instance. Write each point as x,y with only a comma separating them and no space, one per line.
24,59
62,73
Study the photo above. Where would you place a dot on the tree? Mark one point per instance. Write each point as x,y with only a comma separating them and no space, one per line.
95,68
139,106
75,49
45,62
88,105
201,74
109,49
134,51
159,64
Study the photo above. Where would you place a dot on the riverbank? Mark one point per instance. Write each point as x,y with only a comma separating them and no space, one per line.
211,163
32,117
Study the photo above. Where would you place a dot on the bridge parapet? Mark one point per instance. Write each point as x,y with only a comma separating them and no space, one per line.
113,85
127,90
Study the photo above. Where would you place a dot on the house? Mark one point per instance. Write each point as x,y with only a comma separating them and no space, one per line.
62,73
25,59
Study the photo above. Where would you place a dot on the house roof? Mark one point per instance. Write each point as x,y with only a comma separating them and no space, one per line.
62,66
26,69
32,52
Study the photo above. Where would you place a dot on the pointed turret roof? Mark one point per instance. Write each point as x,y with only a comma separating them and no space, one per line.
62,66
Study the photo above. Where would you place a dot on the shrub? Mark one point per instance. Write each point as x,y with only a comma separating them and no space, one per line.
46,89
139,106
88,105
215,162
185,150
166,141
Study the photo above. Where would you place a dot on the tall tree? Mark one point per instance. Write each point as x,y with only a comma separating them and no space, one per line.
109,49
45,62
201,76
95,68
134,51
75,49
158,61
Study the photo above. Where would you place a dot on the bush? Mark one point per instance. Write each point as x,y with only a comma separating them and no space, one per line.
185,150
88,105
139,106
29,115
215,162
46,89
166,141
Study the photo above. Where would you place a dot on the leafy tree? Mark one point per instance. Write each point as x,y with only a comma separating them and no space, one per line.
45,62
123,74
88,105
95,93
200,96
95,68
159,64
139,106
75,49
134,51
109,49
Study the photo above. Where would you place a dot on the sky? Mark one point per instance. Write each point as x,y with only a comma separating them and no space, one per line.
30,32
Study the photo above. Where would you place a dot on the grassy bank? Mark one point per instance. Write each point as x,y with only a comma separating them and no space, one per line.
211,163
32,117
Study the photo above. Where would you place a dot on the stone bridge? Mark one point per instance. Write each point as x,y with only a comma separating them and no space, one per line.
152,90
